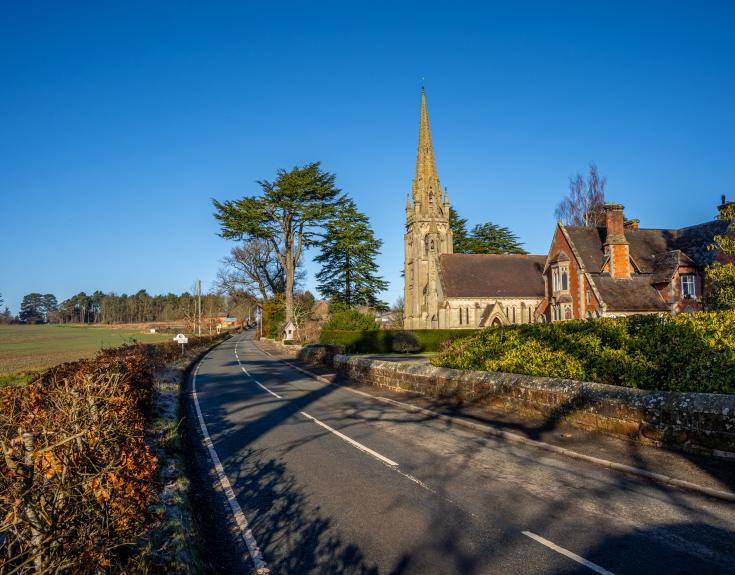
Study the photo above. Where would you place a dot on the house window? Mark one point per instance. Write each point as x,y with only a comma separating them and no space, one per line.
589,298
564,281
688,285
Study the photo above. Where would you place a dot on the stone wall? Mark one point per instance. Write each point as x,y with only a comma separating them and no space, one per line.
698,422
292,349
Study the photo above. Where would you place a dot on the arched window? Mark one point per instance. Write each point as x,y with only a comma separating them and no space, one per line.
432,245
426,246
431,198
564,281
568,313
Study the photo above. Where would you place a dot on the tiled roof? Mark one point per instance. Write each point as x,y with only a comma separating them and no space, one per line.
645,244
491,275
665,265
634,294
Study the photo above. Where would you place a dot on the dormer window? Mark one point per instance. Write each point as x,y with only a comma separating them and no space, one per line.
688,285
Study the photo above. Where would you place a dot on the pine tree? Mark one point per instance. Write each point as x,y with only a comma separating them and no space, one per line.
487,238
348,251
460,237
490,238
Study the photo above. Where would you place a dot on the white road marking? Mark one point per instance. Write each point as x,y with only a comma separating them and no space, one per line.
356,444
242,522
351,441
573,556
245,371
392,465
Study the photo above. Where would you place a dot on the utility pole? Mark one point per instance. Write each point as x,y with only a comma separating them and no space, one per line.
199,305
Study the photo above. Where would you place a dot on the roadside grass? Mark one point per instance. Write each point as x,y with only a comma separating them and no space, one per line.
19,378
25,349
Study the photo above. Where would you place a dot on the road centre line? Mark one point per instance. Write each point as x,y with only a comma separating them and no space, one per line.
339,434
351,441
261,568
573,556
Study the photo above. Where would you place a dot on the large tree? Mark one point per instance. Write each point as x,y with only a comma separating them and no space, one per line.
32,308
347,256
487,238
288,214
584,204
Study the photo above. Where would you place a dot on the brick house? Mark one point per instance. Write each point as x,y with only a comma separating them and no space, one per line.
621,269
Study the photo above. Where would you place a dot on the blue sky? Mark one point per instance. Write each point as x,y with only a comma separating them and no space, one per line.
120,120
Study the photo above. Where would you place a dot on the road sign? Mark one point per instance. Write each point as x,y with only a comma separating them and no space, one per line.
181,338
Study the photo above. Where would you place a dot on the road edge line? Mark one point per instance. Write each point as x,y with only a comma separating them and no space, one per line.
513,437
261,568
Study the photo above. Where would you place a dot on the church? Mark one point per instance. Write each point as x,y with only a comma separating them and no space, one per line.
609,270
444,290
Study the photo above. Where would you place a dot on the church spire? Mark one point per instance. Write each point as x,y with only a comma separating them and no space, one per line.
427,192
425,165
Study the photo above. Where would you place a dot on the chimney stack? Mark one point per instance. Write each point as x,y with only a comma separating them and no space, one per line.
724,203
632,224
616,246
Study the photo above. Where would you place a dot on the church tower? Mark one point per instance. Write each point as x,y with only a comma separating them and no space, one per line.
427,236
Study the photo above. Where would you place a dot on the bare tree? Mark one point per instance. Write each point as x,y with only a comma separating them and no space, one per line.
583,205
253,271
252,267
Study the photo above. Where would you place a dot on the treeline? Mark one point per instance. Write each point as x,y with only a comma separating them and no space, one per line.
141,307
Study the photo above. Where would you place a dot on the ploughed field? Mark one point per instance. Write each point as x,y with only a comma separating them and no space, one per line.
31,348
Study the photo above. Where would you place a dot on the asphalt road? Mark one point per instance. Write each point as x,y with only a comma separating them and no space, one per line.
333,481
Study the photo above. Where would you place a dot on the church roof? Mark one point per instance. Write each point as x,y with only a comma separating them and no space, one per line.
491,275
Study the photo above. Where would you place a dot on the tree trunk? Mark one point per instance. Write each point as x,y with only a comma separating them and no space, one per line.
348,287
288,295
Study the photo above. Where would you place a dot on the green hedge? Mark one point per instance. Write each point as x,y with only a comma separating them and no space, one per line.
381,341
674,353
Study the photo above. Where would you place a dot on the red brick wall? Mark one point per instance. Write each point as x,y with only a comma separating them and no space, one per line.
560,243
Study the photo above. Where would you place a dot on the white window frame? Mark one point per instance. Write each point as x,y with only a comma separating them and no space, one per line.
691,280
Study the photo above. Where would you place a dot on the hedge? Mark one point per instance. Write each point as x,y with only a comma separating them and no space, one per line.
77,476
382,341
668,353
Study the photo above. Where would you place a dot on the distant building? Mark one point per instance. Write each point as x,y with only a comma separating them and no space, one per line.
226,322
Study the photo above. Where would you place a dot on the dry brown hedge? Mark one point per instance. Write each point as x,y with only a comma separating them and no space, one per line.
77,479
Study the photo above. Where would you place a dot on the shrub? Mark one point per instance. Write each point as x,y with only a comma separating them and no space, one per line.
405,342
351,320
676,353
381,341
